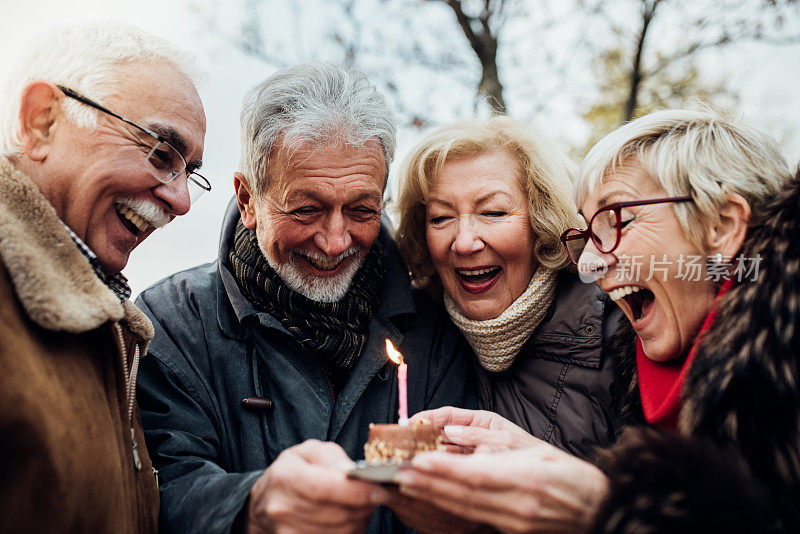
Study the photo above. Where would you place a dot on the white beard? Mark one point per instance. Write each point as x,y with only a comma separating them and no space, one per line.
316,288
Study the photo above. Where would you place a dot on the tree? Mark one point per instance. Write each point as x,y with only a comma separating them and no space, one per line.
482,37
441,60
640,72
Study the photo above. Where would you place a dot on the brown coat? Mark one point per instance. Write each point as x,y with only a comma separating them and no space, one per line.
66,455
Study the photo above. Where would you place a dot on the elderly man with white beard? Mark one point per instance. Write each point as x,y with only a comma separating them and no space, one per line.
269,364
101,132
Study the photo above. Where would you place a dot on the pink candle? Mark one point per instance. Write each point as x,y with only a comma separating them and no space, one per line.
402,375
402,379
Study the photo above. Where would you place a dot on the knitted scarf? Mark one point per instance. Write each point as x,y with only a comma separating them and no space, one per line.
335,333
497,341
660,383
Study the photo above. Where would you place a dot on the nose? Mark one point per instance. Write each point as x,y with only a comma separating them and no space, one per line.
593,264
335,238
467,240
175,194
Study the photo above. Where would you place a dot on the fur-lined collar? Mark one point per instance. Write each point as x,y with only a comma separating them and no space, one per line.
54,282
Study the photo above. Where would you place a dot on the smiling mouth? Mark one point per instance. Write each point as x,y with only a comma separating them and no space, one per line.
638,299
478,280
323,265
326,264
131,220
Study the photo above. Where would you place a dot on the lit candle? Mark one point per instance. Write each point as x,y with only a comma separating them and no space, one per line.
402,378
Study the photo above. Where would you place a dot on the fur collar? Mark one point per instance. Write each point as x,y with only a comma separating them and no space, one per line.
54,282
742,388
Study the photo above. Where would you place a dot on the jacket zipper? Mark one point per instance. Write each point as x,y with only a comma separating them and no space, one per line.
130,388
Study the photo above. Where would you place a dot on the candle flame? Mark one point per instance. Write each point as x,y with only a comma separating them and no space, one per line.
393,353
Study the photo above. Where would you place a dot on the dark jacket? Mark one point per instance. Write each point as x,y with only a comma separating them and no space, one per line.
559,386
734,466
212,348
66,454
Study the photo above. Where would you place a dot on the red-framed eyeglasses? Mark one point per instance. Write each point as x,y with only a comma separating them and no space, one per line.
605,227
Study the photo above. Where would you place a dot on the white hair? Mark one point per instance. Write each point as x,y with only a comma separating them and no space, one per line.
699,153
311,103
86,58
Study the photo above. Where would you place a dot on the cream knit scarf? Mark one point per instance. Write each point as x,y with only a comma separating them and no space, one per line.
497,341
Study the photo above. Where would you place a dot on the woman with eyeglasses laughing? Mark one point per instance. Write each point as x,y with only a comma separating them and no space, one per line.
690,226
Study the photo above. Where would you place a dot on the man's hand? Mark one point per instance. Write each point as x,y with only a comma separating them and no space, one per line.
477,430
535,489
306,490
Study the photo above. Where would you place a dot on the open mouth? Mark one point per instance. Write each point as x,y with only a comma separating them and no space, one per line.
478,280
638,299
131,220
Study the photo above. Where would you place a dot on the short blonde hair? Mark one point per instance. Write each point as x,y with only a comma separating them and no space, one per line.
699,153
542,173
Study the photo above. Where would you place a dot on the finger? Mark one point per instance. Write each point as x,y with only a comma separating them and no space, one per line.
321,484
450,496
458,449
467,436
508,511
474,470
438,417
324,452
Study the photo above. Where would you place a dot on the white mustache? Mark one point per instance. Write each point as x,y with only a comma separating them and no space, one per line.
325,258
147,210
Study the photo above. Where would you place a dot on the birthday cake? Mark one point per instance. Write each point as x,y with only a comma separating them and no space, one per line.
397,443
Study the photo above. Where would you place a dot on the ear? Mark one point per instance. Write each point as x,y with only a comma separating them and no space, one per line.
40,106
245,200
727,233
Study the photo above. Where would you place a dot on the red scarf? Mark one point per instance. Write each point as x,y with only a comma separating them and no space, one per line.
660,383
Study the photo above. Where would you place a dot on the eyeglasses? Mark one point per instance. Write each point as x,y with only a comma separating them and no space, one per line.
164,161
605,227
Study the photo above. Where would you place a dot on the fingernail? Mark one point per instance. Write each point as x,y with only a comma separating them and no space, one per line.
453,431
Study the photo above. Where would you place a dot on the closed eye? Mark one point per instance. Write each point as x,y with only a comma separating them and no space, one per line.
494,213
306,210
623,224
440,219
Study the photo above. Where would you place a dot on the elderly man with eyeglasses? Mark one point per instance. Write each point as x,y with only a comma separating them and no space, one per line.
101,135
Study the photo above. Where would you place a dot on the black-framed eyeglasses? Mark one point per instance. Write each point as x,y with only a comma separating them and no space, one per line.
605,227
164,161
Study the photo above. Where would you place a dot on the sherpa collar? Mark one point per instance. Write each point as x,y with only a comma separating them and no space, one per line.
54,282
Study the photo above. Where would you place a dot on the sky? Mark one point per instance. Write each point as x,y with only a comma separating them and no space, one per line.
766,78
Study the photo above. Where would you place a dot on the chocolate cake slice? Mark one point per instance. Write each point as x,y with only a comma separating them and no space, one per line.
396,443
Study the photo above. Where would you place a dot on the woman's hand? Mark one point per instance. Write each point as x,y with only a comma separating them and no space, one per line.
428,519
535,489
477,430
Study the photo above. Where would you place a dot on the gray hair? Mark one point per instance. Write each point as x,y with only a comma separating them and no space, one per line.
88,59
699,153
311,103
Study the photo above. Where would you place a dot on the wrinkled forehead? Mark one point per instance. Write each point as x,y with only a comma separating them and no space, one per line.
329,159
159,97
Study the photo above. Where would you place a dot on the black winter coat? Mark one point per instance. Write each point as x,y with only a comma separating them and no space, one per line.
559,386
734,466
212,348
